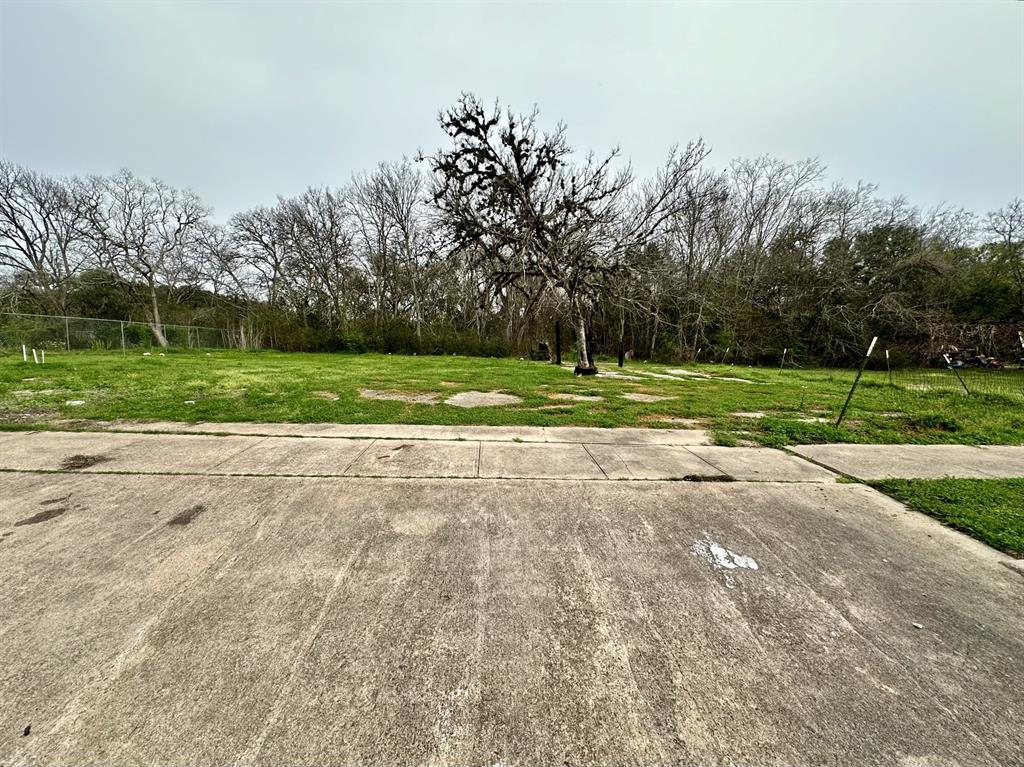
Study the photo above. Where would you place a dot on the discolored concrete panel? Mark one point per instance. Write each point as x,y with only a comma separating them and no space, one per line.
311,456
175,453
53,450
563,461
869,462
626,436
401,458
762,464
651,462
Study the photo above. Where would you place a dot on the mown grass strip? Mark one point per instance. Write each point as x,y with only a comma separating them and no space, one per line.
991,510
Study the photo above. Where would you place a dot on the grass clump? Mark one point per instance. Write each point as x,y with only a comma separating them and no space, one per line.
991,510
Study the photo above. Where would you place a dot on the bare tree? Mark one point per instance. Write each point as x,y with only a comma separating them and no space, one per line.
1007,224
40,233
144,228
321,245
260,236
516,205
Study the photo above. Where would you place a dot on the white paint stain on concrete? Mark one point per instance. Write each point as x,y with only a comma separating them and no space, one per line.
721,559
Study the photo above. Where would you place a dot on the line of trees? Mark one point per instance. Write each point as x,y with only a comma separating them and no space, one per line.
480,247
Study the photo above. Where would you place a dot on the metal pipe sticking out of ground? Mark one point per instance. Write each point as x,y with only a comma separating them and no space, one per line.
856,380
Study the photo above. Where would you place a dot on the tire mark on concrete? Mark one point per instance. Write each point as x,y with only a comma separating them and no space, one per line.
933,694
252,753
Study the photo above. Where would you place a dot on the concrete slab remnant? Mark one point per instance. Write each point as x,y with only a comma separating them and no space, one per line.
416,398
641,397
482,399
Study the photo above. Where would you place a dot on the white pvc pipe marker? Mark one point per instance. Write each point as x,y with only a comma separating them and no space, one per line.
24,353
35,357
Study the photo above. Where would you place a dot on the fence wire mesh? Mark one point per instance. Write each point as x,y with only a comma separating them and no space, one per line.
40,331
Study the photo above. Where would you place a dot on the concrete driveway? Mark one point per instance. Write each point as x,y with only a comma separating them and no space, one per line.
267,618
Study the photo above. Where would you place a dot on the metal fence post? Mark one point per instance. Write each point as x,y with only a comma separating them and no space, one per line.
124,349
67,334
856,381
949,364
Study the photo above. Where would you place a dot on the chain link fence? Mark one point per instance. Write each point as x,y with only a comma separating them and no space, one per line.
41,331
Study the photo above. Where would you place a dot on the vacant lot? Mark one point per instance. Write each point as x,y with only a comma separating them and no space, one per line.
759,405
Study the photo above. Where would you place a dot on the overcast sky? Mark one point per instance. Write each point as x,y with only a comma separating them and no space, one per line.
243,102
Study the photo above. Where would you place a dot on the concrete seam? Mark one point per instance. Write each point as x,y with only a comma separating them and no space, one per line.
344,472
708,461
243,450
599,466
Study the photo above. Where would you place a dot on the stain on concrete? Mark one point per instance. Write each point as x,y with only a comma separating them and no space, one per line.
73,462
391,453
51,501
42,516
185,517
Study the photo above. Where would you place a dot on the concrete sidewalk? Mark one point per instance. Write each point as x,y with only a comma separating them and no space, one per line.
870,462
305,621
623,436
501,455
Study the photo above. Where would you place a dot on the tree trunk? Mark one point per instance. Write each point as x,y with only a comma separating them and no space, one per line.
622,339
583,364
155,325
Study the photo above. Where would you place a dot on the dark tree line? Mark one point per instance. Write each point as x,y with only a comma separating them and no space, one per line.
482,246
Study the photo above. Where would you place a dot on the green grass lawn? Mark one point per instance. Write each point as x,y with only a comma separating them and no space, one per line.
991,510
799,406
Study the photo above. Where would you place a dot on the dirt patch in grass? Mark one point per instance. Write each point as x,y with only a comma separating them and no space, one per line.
641,397
482,399
74,462
416,398
613,374
575,397
326,395
688,423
